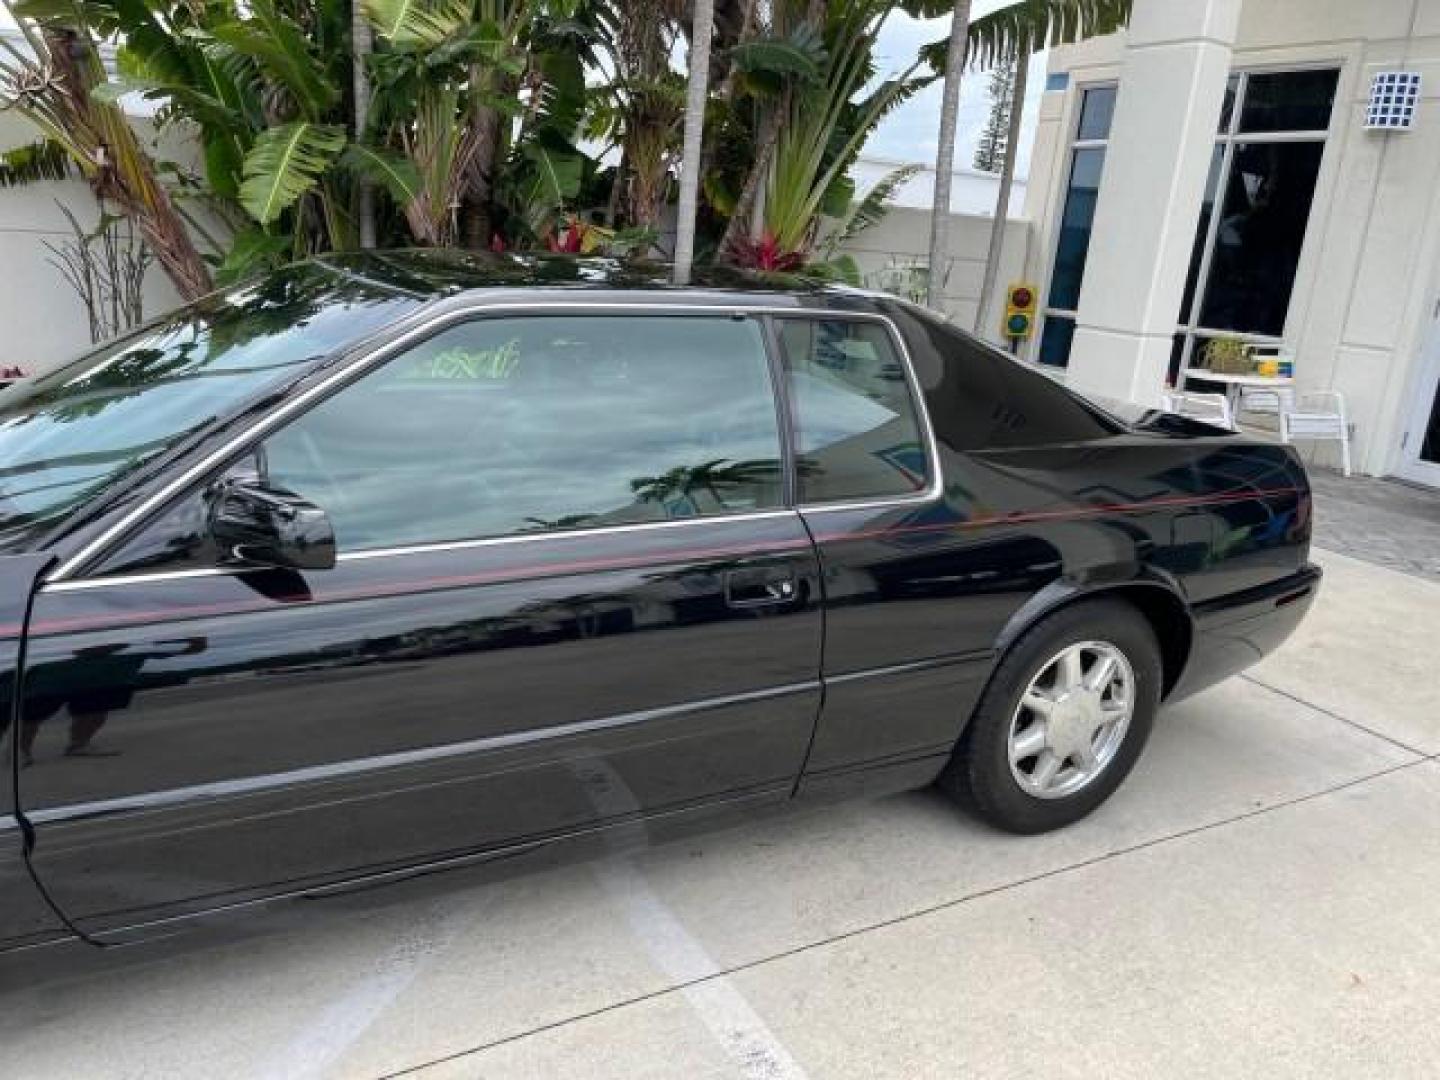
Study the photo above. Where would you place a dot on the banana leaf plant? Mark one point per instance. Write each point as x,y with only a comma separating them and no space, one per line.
826,120
420,147
261,87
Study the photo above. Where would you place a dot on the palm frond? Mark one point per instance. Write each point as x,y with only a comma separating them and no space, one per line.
34,163
868,210
281,48
285,163
1027,26
394,173
800,55
417,24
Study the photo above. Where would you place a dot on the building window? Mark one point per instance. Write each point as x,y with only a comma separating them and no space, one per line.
1256,208
1082,189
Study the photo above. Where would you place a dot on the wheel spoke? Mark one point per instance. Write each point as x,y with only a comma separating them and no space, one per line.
1086,759
1070,670
1101,673
1038,703
1045,770
1029,743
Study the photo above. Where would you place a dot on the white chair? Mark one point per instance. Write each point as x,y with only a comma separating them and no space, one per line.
1268,401
1317,414
1264,399
1212,408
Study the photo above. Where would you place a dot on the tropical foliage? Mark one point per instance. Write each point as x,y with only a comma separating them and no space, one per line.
317,125
58,86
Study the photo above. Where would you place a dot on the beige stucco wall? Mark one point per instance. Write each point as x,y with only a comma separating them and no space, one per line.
41,318
1369,271
902,238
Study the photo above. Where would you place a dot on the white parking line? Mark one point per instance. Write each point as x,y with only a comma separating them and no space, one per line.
718,1003
759,1055
329,1035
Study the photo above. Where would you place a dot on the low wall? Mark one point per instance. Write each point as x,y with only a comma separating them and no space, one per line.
902,238
42,318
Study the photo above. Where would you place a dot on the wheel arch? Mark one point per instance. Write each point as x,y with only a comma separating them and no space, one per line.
1157,598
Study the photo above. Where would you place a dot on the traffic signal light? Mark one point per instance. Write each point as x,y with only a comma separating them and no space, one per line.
1019,312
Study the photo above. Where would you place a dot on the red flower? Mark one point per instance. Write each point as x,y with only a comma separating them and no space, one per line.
766,254
568,241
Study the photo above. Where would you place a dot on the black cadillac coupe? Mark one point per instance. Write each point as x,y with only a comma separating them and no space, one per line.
389,563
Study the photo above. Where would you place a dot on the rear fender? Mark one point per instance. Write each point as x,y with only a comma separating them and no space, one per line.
1156,592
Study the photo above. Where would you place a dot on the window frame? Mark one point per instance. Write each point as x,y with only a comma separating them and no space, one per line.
934,485
78,570
1073,143
1187,324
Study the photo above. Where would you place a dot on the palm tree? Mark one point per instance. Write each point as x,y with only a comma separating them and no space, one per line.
945,155
56,87
697,91
1002,197
362,43
781,56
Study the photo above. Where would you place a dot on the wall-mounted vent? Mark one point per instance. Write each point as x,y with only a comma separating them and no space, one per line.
1393,97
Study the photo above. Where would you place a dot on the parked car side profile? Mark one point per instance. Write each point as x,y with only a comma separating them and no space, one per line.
396,562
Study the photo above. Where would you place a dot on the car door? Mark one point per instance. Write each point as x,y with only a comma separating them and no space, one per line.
569,590
904,582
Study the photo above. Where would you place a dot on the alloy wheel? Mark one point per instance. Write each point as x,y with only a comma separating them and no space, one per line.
1071,719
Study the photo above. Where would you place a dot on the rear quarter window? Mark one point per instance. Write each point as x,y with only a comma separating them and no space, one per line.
857,425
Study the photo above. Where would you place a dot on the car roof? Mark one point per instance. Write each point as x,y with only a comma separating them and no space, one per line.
432,273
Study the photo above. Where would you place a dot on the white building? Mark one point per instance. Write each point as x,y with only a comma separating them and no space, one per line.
1211,171
971,191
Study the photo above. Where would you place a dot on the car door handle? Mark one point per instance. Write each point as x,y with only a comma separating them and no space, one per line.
761,586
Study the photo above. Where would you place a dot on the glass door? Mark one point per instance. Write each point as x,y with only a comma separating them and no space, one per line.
1420,455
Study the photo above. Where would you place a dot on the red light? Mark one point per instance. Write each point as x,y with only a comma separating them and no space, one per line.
1022,297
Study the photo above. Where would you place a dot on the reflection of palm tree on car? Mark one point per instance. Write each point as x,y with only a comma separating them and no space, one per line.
714,478
566,521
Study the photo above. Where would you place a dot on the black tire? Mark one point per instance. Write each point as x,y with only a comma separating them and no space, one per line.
979,774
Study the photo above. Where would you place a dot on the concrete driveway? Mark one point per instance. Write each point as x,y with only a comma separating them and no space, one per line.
1261,898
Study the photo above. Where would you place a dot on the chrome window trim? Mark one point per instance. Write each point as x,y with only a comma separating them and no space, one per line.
79,584
63,577
769,513
936,486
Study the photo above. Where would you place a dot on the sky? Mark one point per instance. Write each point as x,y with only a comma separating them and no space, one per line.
910,133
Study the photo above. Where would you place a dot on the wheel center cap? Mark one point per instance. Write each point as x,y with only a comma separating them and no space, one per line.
1074,721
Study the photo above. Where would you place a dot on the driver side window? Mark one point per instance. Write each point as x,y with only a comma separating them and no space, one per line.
528,424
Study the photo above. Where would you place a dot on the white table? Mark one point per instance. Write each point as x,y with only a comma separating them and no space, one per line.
1233,383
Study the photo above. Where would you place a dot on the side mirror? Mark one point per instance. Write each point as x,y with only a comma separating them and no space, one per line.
258,524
